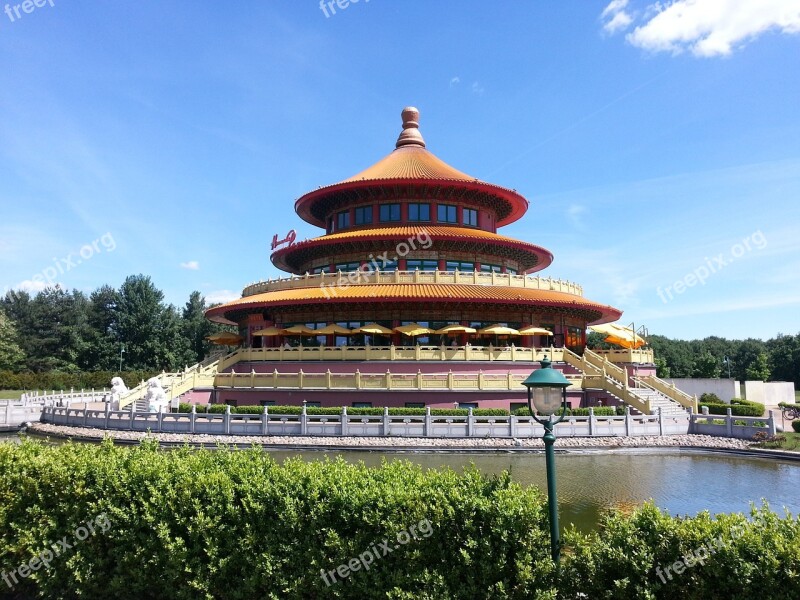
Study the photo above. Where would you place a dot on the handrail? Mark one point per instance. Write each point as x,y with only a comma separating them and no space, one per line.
389,353
332,280
670,391
374,381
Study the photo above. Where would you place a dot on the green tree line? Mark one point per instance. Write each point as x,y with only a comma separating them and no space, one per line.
777,359
64,331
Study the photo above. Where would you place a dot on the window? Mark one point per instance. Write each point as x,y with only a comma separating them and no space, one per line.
419,212
452,265
389,212
446,213
347,266
318,270
267,403
422,265
363,215
343,219
471,217
472,405
511,271
415,405
362,404
574,336
330,225
312,404
515,406
490,268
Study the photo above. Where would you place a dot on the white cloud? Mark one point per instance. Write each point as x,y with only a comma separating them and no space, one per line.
703,27
455,81
192,265
574,213
33,286
477,88
616,16
221,296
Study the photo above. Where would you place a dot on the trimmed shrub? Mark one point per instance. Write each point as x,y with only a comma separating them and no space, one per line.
232,525
796,426
599,411
59,380
744,408
709,398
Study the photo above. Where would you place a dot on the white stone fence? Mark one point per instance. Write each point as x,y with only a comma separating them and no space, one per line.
344,424
728,425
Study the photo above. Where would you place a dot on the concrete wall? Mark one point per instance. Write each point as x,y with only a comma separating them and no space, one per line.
724,388
771,392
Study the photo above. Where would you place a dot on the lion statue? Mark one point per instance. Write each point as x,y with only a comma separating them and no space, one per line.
155,397
118,389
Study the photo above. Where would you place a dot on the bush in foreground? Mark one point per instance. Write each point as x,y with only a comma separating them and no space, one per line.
226,524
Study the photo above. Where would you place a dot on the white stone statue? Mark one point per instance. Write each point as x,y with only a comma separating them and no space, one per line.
118,389
155,397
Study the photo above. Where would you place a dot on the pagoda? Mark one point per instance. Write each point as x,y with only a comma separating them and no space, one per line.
409,277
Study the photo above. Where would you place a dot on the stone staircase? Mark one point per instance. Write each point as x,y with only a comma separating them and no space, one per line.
645,394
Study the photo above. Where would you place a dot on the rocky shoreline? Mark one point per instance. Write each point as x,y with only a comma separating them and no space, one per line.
390,443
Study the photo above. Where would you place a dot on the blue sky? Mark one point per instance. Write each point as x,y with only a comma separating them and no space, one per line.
654,143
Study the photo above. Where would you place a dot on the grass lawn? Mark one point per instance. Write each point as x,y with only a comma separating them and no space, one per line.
797,396
791,441
10,394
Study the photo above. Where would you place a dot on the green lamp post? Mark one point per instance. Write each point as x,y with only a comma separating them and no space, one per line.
547,393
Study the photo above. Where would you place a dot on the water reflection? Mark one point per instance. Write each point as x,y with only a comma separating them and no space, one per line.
683,484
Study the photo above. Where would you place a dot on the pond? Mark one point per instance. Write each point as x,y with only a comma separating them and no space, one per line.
684,483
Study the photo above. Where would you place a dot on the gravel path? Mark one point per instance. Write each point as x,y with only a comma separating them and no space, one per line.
503,444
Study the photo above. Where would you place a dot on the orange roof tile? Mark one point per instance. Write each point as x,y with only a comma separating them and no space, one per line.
419,292
539,257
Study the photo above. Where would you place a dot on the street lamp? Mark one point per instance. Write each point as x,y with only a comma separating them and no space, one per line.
727,361
547,392
121,350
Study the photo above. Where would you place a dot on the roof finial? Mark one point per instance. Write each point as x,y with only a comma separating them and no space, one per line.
410,135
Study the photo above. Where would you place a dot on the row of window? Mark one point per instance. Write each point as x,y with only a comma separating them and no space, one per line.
414,265
417,212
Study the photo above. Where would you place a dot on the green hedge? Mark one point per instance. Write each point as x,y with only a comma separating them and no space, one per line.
796,426
56,380
377,411
232,525
739,408
337,410
238,525
599,411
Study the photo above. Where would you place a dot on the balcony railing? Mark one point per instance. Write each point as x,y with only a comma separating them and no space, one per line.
405,353
332,280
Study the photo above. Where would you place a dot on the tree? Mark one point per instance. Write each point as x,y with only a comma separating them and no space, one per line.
758,370
150,331
11,355
662,369
784,358
102,348
706,366
196,327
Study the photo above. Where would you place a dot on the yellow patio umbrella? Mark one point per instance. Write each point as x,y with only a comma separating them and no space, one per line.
413,329
333,329
267,332
374,329
620,335
225,338
531,330
298,330
455,328
498,329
